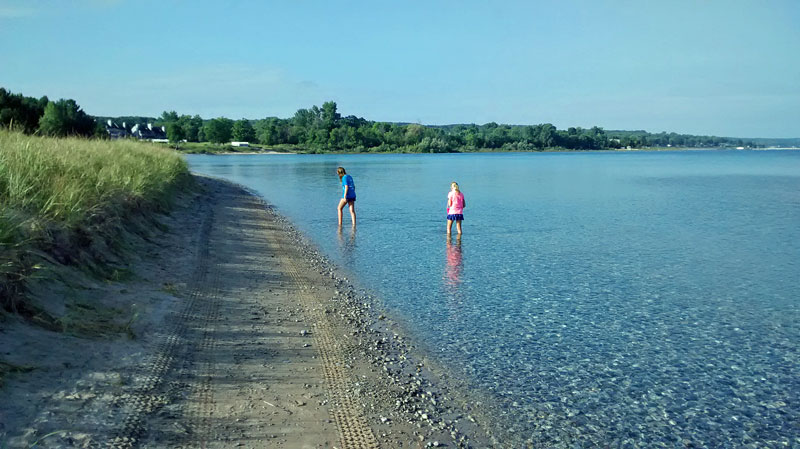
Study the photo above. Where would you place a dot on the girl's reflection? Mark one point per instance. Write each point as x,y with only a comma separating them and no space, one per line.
452,279
347,244
452,273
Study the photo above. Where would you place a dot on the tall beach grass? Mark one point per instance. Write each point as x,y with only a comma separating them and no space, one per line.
60,195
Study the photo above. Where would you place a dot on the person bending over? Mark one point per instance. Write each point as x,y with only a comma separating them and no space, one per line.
348,195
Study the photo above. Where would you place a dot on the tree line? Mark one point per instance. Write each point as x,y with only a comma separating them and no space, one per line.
638,139
50,118
324,129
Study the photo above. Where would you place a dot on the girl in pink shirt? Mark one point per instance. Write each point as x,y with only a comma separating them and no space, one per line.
455,208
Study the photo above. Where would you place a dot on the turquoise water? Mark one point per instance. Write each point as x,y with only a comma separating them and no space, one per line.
612,299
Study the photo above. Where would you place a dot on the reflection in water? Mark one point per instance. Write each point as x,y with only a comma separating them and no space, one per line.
452,277
347,245
452,274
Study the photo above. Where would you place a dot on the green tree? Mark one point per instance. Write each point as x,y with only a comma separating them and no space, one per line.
21,112
547,135
218,130
99,131
243,131
170,116
414,134
191,127
368,136
329,116
497,136
65,118
297,135
175,132
343,138
272,131
432,145
303,118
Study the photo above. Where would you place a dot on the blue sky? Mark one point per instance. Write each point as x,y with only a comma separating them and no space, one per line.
704,66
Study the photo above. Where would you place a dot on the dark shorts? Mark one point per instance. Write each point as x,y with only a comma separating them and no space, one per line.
348,199
455,217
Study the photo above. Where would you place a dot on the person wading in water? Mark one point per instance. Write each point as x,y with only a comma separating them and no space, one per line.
348,195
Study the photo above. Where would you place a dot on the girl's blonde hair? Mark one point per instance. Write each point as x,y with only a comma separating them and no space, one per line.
340,171
454,185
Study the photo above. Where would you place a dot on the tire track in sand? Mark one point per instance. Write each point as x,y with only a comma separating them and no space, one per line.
204,323
153,392
354,431
195,329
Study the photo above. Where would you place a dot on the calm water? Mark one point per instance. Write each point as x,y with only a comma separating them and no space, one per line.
613,299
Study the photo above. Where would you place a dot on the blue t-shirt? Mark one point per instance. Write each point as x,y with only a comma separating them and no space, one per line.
347,180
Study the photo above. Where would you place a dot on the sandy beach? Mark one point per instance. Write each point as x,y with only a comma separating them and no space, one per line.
241,335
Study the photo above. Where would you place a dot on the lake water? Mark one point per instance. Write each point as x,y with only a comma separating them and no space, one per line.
643,299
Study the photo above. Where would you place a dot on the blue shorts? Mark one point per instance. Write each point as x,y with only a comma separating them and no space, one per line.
455,217
348,199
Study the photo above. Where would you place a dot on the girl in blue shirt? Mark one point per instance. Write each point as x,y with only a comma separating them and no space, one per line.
348,195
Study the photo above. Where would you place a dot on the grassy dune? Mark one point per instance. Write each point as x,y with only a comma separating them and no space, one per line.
69,200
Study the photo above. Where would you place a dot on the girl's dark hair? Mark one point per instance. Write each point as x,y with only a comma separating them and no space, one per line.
341,172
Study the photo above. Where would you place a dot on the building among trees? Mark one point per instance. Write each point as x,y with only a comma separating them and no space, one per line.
116,131
149,132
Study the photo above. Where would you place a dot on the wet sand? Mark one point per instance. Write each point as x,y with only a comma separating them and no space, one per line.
245,336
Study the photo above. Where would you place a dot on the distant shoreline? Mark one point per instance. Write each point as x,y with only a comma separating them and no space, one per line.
614,150
247,153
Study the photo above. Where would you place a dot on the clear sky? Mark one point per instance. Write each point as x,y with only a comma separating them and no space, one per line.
728,67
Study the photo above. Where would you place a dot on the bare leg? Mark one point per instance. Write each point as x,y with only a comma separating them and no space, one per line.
339,208
458,226
352,212
449,226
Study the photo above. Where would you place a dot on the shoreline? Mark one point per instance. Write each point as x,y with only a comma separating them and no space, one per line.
429,392
240,324
392,349
609,150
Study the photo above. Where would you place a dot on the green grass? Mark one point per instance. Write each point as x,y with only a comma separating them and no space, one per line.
69,199
71,180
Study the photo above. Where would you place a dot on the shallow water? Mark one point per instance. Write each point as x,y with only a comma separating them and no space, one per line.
614,299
